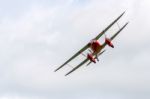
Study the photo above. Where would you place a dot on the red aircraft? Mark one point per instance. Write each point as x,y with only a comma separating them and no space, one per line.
94,47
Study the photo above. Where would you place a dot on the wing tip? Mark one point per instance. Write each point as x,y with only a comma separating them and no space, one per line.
126,24
67,74
56,69
124,11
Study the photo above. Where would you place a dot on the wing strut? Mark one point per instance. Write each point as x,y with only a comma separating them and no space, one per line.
79,52
77,66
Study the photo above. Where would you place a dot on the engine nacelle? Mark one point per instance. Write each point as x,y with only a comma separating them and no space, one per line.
91,58
108,42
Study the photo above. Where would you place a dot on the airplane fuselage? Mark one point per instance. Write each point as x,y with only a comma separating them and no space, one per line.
95,47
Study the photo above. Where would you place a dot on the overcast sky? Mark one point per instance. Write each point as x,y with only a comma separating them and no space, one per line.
38,36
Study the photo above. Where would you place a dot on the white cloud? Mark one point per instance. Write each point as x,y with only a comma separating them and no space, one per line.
36,41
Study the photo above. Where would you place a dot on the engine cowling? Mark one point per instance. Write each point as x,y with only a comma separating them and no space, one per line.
108,42
91,58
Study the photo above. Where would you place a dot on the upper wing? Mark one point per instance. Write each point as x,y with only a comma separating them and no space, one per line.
86,46
98,36
79,52
116,34
82,63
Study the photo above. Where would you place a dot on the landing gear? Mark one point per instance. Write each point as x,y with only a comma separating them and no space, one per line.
97,58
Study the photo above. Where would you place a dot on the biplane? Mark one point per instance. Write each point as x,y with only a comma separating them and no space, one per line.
94,47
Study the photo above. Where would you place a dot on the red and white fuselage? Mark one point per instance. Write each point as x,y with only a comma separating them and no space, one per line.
95,47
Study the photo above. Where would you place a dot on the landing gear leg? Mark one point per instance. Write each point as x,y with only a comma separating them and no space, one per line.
97,58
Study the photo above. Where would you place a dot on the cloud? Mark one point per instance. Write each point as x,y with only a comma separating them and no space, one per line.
39,36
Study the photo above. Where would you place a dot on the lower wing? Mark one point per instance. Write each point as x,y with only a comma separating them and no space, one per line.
82,63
